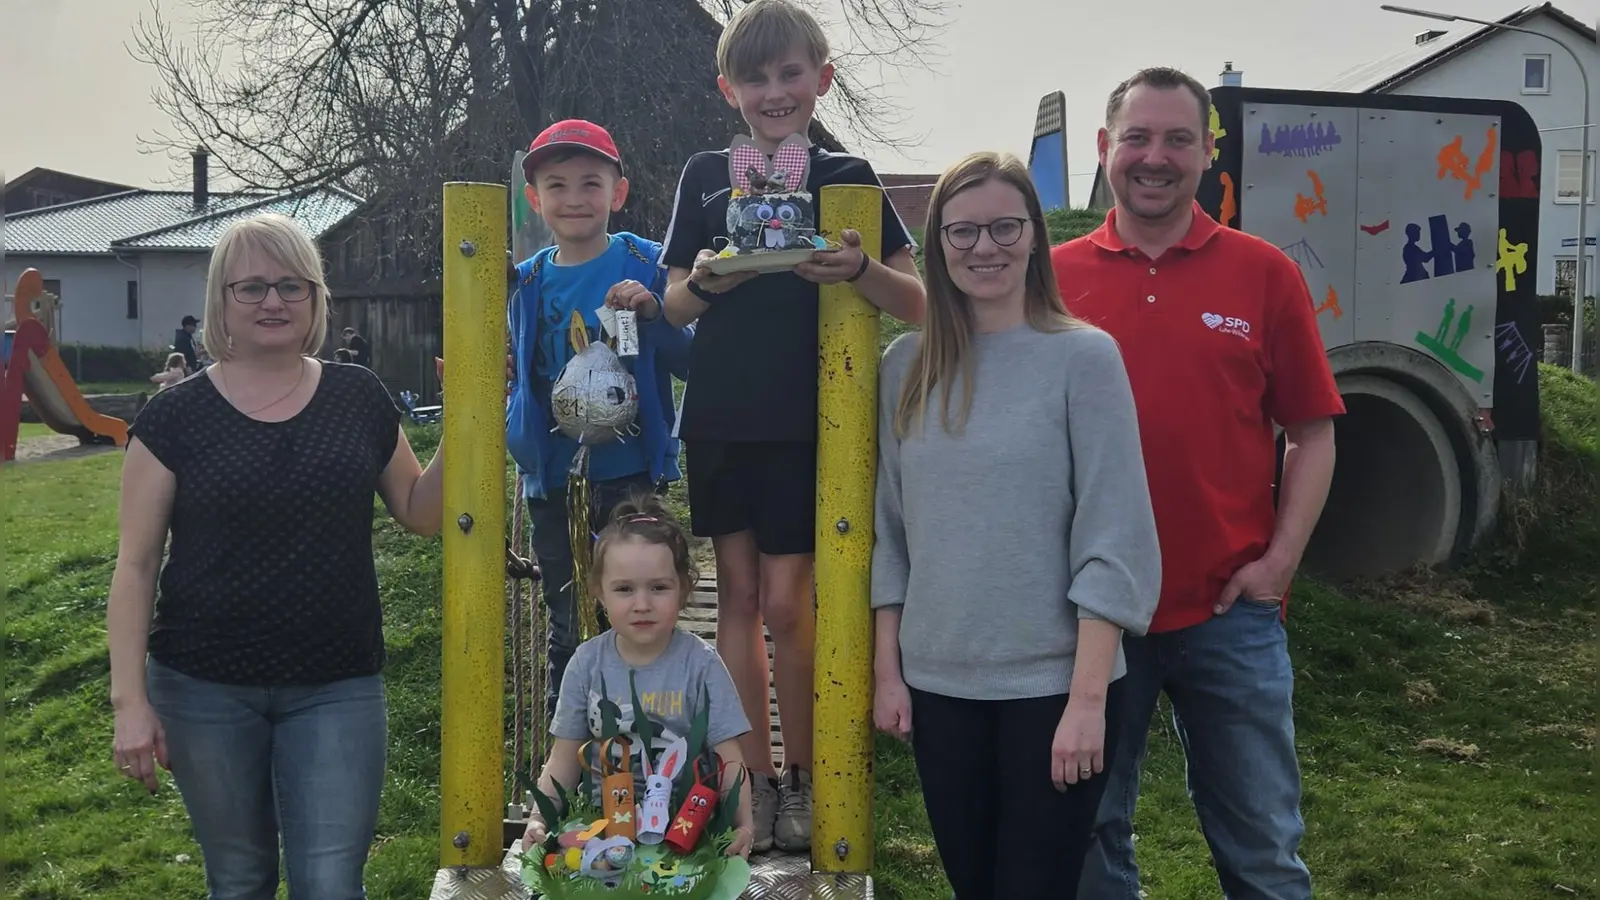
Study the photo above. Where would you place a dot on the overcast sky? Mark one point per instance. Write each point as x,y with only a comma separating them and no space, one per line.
72,98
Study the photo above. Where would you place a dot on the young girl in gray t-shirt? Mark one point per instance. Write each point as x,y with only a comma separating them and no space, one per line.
643,577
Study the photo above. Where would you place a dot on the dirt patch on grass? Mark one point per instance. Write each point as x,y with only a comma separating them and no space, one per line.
1440,596
1421,692
1450,749
1448,606
56,447
1581,736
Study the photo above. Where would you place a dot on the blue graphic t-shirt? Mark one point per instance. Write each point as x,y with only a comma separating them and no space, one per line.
582,287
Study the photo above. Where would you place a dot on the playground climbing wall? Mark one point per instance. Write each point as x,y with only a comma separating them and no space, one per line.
1415,222
1394,218
1413,219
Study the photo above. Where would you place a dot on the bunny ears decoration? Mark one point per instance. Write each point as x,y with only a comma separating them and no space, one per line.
751,171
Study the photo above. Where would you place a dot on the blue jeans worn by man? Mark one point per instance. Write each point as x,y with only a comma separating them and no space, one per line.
552,548
1231,687
304,762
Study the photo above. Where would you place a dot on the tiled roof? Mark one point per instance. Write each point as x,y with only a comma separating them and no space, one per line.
316,212
144,220
1388,72
1374,73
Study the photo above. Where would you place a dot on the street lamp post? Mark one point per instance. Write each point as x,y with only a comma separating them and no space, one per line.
1584,191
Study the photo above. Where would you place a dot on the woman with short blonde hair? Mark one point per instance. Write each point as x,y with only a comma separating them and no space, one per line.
253,673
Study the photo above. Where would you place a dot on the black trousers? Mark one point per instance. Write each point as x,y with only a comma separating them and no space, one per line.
1002,829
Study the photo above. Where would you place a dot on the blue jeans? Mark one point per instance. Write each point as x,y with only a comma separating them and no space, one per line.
1232,689
552,549
300,763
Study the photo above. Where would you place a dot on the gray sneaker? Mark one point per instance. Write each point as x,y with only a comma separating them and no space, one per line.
763,810
792,832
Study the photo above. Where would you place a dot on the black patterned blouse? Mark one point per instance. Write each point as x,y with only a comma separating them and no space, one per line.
269,578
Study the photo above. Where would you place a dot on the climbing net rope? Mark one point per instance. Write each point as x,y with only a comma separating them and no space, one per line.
529,627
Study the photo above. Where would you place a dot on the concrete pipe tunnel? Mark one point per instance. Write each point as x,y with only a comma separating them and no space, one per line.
1416,479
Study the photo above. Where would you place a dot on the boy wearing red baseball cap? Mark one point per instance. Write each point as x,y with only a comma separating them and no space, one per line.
575,181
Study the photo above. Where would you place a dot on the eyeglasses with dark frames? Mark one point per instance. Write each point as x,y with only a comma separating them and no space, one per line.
1004,231
290,290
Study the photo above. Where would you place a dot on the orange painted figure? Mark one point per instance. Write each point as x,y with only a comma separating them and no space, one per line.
1331,304
1230,205
1318,202
1453,161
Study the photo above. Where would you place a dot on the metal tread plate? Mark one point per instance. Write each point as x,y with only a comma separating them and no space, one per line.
780,876
773,876
502,883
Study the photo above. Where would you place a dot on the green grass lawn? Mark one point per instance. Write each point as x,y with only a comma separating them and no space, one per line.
1446,722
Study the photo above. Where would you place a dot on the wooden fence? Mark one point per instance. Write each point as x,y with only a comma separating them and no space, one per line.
405,332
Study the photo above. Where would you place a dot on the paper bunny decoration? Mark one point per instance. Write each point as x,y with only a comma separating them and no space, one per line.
616,790
654,812
692,815
769,207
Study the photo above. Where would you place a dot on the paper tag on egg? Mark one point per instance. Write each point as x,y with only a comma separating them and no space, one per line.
608,320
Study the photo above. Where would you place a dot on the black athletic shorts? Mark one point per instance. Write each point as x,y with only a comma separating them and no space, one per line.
767,487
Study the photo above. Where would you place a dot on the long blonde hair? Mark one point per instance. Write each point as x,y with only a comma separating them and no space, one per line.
279,239
944,348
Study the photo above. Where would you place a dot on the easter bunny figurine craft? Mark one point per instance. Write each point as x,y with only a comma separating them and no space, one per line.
772,218
695,812
654,812
616,790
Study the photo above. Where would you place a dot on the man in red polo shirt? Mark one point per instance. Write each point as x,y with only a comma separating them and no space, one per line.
1220,341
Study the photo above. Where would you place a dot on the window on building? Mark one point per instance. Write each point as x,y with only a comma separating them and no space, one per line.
1569,172
133,299
1567,273
1536,74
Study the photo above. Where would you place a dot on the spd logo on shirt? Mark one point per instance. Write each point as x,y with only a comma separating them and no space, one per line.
1226,324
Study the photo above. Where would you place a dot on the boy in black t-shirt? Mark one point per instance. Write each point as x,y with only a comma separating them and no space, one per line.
749,420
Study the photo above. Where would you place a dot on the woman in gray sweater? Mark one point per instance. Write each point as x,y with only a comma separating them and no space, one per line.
1015,544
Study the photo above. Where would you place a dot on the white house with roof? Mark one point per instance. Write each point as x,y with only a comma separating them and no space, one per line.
1492,63
128,266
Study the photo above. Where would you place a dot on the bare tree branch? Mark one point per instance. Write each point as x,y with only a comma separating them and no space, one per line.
391,98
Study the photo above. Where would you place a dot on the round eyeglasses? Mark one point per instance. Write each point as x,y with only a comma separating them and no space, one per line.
290,290
1005,232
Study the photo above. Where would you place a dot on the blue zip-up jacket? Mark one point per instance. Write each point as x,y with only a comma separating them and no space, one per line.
663,353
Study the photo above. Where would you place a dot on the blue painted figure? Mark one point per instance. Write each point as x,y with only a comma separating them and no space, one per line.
1415,258
1444,262
1465,255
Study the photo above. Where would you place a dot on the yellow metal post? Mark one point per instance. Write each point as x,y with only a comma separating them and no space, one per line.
471,718
847,458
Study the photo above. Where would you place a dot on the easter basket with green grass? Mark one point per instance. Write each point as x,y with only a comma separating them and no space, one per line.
671,841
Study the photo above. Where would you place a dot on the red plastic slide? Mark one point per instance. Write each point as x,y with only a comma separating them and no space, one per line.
35,370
